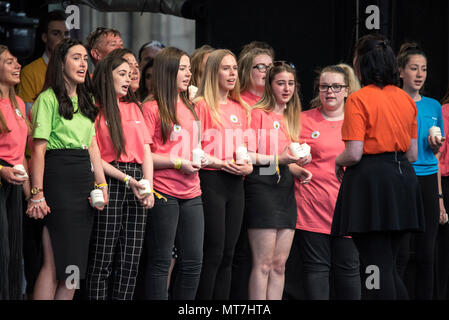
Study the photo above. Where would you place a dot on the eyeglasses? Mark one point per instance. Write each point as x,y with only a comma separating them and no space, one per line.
261,67
280,63
155,43
336,88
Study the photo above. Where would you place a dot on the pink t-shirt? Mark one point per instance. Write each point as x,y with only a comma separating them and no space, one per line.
249,98
316,200
183,139
271,137
12,144
135,133
444,158
221,140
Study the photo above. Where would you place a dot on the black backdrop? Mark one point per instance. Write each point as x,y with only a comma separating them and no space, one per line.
316,33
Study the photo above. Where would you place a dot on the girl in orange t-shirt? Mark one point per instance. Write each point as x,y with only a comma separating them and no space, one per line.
225,117
14,129
378,201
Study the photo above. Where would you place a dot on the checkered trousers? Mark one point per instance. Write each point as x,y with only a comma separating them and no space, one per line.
117,240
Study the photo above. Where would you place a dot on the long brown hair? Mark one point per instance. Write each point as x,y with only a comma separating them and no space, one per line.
165,88
106,98
54,79
292,112
12,97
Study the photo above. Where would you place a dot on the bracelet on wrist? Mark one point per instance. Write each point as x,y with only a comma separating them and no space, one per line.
177,163
126,180
37,201
101,186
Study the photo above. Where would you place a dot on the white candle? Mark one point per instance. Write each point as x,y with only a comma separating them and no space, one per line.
435,132
96,196
197,155
20,168
147,190
241,154
295,149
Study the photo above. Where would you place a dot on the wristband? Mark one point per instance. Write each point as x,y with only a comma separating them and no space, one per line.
440,195
101,185
126,180
177,163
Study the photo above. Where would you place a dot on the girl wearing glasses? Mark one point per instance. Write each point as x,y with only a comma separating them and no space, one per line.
270,205
379,200
316,198
225,117
253,68
412,63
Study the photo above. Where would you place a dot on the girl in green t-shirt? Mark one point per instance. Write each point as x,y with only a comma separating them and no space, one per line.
64,151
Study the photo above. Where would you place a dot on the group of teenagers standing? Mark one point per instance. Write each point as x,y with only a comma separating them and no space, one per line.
221,227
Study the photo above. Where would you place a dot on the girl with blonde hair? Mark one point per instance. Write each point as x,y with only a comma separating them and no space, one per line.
14,129
225,117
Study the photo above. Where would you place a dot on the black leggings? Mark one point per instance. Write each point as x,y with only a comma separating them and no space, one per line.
223,203
322,254
378,253
424,243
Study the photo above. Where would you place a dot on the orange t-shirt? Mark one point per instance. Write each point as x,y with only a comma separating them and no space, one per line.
384,119
183,139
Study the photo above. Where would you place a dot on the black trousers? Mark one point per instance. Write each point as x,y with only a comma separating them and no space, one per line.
378,253
223,203
10,241
175,222
322,254
117,241
424,243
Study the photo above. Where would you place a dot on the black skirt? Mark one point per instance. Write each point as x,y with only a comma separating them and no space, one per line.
269,204
380,193
68,181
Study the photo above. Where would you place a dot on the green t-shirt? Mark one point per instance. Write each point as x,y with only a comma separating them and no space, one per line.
59,132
